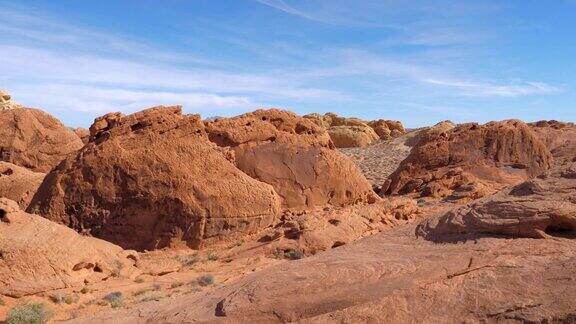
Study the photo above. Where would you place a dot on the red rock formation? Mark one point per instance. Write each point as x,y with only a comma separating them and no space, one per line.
151,180
33,139
38,255
294,155
470,161
531,209
559,138
83,133
18,183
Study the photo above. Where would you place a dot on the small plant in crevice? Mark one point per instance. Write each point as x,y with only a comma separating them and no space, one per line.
205,280
188,260
212,256
63,298
290,254
176,284
115,299
117,268
139,280
33,313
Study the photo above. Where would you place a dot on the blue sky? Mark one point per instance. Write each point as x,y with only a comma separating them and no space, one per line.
412,60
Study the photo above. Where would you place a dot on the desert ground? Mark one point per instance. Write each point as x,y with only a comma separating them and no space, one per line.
166,217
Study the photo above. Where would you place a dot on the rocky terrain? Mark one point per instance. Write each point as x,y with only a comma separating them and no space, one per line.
162,217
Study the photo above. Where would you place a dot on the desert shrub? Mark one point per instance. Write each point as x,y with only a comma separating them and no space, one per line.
156,296
212,256
141,291
63,298
188,260
205,280
117,268
33,313
85,290
290,254
115,299
139,280
176,285
293,254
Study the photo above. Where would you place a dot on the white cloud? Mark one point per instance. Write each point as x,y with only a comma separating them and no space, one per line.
479,89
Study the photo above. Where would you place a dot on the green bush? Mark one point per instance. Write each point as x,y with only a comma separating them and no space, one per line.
33,313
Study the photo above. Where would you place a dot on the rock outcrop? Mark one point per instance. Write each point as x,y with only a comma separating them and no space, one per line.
537,208
559,138
470,161
151,180
35,140
352,136
354,132
18,183
293,155
387,129
6,102
38,255
391,277
83,133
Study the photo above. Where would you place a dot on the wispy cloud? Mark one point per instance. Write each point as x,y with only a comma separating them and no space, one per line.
282,6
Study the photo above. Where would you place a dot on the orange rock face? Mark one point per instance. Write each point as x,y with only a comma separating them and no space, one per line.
536,208
470,161
559,138
151,180
35,140
39,255
295,156
18,183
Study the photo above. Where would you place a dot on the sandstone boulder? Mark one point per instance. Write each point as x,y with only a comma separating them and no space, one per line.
151,180
18,183
294,155
536,208
83,133
6,102
470,161
352,136
387,129
38,255
559,137
35,140
354,132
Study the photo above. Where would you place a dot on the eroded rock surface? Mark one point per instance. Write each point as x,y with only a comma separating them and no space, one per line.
18,183
38,255
470,161
35,140
294,155
391,277
559,138
151,180
354,132
546,204
6,102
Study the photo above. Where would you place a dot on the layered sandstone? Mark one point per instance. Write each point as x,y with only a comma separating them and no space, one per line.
537,208
151,180
38,255
18,184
